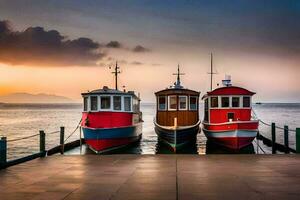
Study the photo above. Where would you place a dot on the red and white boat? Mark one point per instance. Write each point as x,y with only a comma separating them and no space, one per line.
227,117
111,118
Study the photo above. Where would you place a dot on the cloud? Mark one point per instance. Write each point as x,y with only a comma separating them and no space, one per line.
136,63
122,61
118,45
140,49
114,44
37,47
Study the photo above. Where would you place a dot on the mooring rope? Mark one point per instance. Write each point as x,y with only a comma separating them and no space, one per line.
30,136
73,130
22,138
268,124
54,146
259,146
49,133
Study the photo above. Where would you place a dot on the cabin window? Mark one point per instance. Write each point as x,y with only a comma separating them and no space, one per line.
235,102
117,102
127,103
225,102
94,103
206,110
136,105
172,102
182,102
246,102
193,103
85,103
230,117
162,103
105,102
214,102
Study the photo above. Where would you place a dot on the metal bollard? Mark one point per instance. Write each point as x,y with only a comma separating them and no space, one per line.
297,140
273,138
43,143
62,139
286,139
80,139
3,152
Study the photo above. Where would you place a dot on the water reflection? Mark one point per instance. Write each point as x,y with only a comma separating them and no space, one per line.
190,148
162,148
213,148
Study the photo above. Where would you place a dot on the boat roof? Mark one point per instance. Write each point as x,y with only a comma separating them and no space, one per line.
109,91
229,90
170,91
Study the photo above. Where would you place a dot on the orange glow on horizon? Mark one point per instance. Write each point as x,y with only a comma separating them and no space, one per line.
263,75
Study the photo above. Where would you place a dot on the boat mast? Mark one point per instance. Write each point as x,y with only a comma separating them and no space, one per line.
116,72
211,71
178,83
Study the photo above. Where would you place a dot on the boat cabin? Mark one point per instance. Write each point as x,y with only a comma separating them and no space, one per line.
106,107
177,103
227,104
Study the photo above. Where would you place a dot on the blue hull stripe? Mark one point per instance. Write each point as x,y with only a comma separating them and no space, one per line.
113,133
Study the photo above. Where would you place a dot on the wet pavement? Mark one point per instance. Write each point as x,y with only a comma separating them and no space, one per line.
154,177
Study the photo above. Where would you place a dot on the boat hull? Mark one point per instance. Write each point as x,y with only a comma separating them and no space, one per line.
235,139
103,140
177,138
233,135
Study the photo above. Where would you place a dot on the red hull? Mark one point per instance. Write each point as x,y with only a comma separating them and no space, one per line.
107,119
233,135
102,145
231,126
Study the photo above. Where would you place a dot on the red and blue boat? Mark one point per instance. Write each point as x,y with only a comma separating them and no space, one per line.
227,116
111,118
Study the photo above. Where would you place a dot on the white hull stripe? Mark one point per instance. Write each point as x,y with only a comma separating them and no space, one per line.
229,123
236,133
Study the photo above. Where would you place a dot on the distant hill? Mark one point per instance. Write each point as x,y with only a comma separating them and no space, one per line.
34,98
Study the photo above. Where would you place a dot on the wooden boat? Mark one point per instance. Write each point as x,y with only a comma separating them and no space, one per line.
177,116
111,118
227,116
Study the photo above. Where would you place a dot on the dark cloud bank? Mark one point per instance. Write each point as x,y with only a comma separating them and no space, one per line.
140,49
118,45
36,46
114,44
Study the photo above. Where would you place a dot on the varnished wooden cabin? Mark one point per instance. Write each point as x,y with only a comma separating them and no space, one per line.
177,103
177,116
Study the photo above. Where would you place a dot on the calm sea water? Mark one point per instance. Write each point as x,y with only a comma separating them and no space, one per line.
21,120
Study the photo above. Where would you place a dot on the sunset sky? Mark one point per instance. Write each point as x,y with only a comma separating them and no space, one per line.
66,47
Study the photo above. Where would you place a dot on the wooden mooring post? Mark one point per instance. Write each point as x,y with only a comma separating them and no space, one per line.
62,140
3,152
273,127
297,140
286,139
42,143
